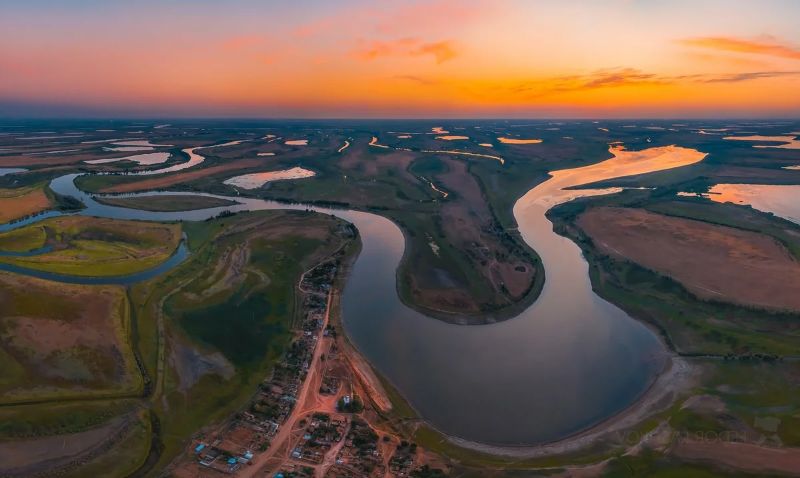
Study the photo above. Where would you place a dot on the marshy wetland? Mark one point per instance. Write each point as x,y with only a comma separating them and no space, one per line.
498,332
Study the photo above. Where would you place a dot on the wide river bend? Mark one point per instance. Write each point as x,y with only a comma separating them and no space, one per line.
566,363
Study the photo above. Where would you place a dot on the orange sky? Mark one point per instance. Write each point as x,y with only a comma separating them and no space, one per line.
440,58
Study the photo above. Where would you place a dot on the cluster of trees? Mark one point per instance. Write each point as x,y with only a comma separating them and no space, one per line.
353,405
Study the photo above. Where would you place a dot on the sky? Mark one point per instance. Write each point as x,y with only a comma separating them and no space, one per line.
400,59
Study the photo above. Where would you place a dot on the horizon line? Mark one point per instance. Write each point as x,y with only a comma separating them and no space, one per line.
385,118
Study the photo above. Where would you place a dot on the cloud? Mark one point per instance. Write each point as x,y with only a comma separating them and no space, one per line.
415,79
619,77
626,77
753,75
442,51
767,46
610,78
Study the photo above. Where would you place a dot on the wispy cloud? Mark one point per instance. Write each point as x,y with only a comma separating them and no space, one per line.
753,75
767,46
442,51
628,77
616,77
416,79
609,78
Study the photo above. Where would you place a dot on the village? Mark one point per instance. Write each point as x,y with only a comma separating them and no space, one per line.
306,419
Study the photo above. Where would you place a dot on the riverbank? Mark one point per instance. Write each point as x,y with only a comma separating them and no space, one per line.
453,356
623,431
679,377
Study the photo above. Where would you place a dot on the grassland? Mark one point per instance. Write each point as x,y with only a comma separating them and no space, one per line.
464,262
23,240
127,378
211,330
166,203
31,421
61,341
86,246
461,263
194,373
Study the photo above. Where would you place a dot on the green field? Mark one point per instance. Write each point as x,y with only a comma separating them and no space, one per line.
257,304
23,240
166,203
84,246
235,271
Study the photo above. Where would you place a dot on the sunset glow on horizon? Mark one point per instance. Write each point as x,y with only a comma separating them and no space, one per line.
438,58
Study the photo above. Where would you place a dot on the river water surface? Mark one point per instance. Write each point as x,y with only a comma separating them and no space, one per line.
781,200
566,363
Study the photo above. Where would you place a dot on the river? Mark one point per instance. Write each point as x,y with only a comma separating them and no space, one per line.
566,363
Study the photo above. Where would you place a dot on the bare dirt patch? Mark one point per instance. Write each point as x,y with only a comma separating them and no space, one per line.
191,364
714,262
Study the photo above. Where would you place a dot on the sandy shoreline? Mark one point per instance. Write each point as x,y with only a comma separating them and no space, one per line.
678,377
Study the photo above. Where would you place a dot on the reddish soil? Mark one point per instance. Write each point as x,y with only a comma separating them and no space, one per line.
714,262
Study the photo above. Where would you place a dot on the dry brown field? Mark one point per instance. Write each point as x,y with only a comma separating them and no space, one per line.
714,262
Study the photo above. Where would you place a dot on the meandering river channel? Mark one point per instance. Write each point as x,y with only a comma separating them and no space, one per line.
566,363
